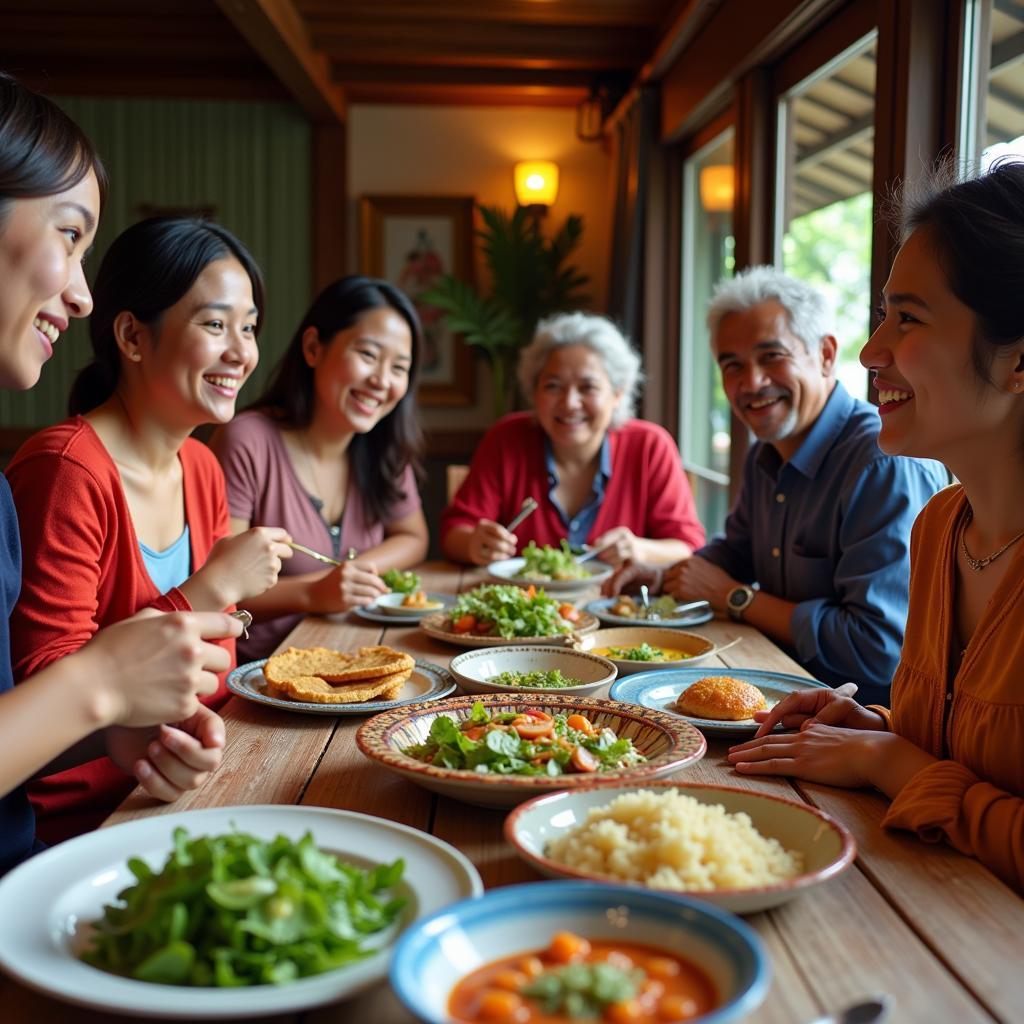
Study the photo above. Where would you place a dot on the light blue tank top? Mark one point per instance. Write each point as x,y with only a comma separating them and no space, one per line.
172,566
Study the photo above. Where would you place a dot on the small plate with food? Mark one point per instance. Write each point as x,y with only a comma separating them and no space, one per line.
411,606
557,570
319,681
527,668
640,648
626,610
718,701
495,614
499,749
82,923
738,849
572,951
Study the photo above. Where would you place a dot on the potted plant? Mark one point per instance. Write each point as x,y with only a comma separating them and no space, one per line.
529,281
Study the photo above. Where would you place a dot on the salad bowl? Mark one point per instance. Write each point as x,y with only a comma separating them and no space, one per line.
667,743
476,670
510,570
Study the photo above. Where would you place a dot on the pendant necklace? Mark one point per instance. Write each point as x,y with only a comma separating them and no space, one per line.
977,564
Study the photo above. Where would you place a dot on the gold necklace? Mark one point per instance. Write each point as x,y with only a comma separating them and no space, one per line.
977,564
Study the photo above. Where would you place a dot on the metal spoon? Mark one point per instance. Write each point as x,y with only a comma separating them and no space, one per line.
649,614
868,1012
529,505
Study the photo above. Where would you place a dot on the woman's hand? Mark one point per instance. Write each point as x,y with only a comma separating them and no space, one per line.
171,759
805,708
819,753
617,546
490,542
350,585
153,667
245,565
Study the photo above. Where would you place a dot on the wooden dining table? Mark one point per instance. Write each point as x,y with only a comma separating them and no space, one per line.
931,929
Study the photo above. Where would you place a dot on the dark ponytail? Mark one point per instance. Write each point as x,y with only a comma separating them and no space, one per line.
146,270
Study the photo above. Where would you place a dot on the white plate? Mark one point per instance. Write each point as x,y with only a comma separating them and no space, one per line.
508,570
827,847
373,614
601,609
697,646
45,903
660,688
391,606
475,669
427,682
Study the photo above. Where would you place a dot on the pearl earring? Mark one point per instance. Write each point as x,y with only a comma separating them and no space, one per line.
135,357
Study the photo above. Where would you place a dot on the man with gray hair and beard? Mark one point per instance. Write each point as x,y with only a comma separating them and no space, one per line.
816,549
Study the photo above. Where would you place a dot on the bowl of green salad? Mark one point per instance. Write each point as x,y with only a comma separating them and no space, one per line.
557,570
532,669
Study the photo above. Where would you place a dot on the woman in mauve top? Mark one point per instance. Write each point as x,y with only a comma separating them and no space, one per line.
329,452
52,187
948,362
599,476
120,509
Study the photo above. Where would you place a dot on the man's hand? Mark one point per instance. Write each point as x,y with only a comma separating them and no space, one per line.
696,579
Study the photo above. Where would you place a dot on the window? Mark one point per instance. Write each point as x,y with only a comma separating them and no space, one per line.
708,187
824,199
992,107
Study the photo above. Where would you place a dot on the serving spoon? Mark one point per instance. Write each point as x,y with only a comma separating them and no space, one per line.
868,1012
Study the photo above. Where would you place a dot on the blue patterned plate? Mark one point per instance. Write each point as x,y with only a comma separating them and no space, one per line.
659,689
601,610
427,682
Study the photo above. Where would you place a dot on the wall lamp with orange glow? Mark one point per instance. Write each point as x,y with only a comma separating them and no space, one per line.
536,183
717,188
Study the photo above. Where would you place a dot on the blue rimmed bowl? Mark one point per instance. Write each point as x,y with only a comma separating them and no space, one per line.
665,740
438,951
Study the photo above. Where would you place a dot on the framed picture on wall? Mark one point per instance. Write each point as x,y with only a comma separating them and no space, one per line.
411,241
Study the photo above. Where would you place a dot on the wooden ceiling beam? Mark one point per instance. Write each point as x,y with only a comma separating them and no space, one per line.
276,31
413,94
448,76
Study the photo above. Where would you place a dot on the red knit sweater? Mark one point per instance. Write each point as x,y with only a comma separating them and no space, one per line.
83,570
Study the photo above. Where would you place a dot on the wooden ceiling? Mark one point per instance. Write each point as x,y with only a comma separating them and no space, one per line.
327,53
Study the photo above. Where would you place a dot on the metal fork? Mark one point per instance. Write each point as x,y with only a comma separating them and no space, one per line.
529,505
650,615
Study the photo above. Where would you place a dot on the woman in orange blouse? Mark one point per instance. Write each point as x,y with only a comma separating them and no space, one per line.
948,363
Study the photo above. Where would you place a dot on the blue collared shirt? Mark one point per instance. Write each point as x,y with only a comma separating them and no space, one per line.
578,528
830,531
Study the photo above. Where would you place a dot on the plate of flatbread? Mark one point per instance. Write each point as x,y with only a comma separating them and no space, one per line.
321,681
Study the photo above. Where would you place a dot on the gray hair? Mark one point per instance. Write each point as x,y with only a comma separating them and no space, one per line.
810,316
621,361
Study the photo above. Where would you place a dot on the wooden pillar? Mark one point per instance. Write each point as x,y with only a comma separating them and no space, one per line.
330,190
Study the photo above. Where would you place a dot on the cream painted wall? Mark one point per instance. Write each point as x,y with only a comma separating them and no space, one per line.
469,151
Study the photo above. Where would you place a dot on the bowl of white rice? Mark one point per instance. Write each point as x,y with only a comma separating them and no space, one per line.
741,850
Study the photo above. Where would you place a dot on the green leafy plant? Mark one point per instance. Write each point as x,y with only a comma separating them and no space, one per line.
530,279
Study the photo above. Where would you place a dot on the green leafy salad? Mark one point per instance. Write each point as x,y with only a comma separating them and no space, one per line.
548,563
508,611
530,742
551,680
401,582
234,910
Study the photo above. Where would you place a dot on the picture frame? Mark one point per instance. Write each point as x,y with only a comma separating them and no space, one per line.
411,241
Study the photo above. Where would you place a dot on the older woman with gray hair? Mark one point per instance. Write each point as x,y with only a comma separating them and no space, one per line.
600,477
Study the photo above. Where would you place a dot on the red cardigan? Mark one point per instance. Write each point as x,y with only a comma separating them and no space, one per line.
647,491
83,570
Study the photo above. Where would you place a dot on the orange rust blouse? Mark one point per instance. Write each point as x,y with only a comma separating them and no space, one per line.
973,796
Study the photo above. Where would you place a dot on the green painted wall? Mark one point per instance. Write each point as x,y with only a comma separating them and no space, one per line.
249,161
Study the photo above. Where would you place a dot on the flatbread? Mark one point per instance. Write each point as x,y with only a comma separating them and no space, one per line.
368,663
335,666
314,690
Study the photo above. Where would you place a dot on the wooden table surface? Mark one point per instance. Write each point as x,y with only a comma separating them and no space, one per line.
929,927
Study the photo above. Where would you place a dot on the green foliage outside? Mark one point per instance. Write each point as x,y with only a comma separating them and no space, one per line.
530,279
831,248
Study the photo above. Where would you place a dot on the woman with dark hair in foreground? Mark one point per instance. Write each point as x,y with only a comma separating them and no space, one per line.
52,187
330,452
948,365
120,508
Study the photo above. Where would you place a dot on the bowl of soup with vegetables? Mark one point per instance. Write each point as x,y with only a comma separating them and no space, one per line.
561,952
642,648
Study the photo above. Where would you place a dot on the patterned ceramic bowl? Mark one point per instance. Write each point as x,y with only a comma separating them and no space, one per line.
476,670
665,740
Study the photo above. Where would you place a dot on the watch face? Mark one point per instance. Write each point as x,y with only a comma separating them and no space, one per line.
739,598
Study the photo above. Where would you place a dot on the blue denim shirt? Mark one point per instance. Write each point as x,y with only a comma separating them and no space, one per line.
578,528
830,531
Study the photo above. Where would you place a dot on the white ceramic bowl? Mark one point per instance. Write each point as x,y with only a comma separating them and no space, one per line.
437,952
391,604
475,669
694,645
665,740
509,570
827,847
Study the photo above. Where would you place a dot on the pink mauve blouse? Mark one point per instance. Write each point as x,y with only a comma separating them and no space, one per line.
263,488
